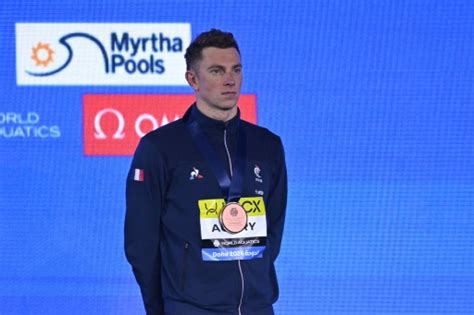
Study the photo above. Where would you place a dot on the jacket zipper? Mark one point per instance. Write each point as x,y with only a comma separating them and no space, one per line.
185,259
238,261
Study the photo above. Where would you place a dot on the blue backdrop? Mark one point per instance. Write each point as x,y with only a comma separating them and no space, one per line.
374,103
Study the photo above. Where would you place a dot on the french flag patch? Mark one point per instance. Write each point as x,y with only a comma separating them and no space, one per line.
138,175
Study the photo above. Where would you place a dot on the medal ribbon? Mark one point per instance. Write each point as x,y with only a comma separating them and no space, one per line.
231,188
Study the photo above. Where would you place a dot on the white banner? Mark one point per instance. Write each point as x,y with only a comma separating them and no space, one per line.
256,227
101,54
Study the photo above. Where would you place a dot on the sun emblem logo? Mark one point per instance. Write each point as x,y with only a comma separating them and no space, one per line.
42,54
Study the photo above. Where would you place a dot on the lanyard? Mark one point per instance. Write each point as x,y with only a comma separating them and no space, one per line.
231,188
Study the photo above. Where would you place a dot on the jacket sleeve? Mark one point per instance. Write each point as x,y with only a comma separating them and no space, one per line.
276,202
144,198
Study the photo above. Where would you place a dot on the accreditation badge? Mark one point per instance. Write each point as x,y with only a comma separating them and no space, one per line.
234,230
233,218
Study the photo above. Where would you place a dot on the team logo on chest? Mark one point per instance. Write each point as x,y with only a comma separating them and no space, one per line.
195,174
258,174
258,179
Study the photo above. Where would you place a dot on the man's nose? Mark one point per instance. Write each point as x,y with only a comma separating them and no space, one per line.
229,79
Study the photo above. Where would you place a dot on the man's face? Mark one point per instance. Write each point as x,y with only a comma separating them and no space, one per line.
217,78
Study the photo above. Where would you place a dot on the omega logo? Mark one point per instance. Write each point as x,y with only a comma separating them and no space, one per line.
119,132
99,133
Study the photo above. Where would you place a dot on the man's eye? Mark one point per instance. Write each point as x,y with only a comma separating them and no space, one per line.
238,70
215,71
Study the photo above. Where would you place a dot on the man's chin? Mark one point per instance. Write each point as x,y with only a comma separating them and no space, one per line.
229,107
222,105
228,104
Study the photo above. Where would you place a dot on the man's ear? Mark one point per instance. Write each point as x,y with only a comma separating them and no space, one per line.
191,77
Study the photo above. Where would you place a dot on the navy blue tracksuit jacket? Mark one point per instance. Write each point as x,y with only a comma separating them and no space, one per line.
170,230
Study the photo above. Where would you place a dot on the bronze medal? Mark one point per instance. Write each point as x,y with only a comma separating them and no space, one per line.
233,218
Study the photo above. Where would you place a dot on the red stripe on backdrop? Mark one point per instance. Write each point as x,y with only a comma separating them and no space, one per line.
114,123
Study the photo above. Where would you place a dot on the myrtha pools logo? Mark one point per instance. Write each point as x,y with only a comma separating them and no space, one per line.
101,54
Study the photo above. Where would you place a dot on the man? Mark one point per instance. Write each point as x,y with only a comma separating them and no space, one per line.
206,198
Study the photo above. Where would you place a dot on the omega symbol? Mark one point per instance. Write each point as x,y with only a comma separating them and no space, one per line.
99,133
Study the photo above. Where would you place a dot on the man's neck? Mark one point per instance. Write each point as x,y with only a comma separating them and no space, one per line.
216,113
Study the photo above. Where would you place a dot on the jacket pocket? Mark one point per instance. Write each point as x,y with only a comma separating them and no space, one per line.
184,265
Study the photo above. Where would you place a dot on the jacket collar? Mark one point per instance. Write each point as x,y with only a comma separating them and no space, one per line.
210,125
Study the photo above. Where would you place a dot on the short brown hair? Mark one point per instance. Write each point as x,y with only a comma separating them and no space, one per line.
213,38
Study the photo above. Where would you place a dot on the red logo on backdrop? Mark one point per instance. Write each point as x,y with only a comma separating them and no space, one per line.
114,123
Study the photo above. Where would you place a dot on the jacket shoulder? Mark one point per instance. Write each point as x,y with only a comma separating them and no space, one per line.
259,133
168,133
